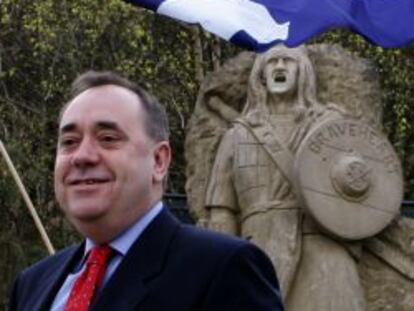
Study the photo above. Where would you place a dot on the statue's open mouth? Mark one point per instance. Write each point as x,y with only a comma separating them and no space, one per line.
280,78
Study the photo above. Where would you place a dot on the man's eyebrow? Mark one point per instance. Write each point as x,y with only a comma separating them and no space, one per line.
70,127
100,125
108,125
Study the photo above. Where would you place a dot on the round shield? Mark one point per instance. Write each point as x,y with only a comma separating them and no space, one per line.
348,178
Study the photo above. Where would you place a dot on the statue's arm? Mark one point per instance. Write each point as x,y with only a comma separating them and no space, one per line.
221,198
223,220
225,111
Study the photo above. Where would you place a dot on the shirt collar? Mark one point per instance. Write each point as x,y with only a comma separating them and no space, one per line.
124,241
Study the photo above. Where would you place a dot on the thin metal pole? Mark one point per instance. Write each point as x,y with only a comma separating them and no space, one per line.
27,200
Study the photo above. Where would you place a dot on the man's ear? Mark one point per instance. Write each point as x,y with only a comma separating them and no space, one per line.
162,160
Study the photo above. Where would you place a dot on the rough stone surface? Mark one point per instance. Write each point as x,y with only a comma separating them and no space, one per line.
228,144
348,81
227,88
387,268
342,78
251,194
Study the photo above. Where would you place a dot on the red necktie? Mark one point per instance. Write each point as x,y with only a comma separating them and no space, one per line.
84,289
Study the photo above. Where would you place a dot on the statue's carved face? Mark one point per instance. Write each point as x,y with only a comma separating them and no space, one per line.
280,74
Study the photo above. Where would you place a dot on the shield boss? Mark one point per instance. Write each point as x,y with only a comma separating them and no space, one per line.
349,178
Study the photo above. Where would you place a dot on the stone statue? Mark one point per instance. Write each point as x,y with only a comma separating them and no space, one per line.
251,193
244,176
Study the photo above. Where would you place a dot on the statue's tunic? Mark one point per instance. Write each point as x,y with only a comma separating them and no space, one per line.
247,180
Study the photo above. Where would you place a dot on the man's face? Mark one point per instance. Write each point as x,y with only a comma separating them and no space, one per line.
107,170
281,74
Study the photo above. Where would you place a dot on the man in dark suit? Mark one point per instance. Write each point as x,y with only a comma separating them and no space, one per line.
112,157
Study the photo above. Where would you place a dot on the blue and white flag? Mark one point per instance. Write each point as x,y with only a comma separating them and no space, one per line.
259,24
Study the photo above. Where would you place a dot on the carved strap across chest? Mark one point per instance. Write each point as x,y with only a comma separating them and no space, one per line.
278,152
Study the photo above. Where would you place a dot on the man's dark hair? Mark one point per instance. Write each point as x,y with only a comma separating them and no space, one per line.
156,122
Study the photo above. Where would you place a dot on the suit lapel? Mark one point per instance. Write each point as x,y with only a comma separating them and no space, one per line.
55,278
145,260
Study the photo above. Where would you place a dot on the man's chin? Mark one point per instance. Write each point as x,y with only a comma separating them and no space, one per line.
85,214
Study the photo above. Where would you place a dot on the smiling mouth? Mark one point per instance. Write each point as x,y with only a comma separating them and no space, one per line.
88,182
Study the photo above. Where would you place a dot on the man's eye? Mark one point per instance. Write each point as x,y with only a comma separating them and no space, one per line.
108,138
67,142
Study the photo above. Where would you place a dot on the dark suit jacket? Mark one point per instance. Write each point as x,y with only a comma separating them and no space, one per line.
171,267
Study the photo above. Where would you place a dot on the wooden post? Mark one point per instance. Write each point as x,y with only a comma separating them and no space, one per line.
27,200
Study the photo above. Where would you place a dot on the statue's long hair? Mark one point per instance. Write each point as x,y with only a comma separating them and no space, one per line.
306,81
